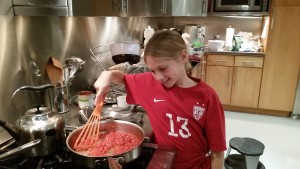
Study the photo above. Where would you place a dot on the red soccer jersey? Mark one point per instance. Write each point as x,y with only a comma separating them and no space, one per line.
189,119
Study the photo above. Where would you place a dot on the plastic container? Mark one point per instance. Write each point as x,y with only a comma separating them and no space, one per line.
148,33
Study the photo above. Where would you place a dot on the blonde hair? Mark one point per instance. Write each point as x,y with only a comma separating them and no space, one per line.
165,44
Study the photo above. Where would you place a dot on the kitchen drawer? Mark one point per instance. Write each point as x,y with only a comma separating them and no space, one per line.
220,60
248,61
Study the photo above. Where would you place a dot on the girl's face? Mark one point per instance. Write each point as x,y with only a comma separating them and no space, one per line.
168,71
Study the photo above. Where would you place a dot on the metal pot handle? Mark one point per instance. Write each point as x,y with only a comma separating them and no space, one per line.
104,162
34,88
20,149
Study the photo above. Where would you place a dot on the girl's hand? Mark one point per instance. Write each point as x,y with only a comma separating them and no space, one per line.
103,83
102,86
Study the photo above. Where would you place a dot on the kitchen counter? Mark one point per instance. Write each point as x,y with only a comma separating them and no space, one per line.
259,54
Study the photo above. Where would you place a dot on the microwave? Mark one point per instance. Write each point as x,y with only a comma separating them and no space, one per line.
243,7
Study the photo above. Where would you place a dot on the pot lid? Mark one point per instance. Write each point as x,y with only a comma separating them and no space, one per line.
38,111
39,118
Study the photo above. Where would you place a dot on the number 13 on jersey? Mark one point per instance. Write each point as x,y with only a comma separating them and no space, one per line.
183,131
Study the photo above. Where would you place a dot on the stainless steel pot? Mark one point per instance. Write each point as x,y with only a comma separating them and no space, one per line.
38,123
107,126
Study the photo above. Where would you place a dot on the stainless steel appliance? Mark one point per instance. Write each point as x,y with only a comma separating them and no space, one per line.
189,7
243,7
152,156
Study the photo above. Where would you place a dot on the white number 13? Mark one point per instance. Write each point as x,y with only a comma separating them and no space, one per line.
183,131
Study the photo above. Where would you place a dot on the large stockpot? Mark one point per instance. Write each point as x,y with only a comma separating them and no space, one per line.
102,161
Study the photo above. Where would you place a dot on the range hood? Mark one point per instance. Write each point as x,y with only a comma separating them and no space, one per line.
120,8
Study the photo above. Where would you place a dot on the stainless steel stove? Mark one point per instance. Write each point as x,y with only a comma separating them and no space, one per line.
153,156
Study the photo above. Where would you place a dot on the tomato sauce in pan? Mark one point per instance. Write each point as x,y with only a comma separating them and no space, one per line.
111,143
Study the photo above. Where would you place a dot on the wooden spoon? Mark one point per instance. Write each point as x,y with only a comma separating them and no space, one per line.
54,70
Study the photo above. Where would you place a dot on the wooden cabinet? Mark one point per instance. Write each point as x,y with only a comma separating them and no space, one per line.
282,60
286,2
246,81
236,79
219,73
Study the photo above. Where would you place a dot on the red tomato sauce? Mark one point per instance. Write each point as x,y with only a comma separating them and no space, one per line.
112,143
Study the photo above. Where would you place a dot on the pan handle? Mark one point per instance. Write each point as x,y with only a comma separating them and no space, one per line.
104,161
20,149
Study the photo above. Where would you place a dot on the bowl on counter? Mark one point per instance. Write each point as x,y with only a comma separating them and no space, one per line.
215,45
125,52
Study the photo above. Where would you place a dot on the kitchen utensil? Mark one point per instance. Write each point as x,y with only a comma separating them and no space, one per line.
90,132
35,70
54,70
102,56
107,113
38,123
20,149
109,126
74,65
62,100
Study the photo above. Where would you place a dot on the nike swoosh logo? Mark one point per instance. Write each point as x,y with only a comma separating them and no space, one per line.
156,100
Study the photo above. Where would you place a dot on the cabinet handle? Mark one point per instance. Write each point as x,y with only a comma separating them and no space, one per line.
204,8
273,19
248,63
124,6
221,62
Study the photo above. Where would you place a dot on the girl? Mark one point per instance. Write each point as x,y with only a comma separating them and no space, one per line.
184,112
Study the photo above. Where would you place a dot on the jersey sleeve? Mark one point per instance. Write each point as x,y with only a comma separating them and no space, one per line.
215,123
137,86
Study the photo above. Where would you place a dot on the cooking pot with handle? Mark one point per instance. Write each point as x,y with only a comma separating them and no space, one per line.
38,123
102,161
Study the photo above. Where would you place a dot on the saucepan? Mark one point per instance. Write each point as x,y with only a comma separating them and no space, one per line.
107,126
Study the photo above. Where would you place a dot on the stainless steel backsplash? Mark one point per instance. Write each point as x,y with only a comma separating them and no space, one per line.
35,39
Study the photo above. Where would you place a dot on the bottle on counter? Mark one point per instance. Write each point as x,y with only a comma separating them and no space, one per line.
148,33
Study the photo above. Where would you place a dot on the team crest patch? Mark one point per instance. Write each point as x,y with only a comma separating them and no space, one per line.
198,111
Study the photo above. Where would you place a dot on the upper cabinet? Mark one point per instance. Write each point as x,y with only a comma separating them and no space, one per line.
127,8
6,7
120,8
42,8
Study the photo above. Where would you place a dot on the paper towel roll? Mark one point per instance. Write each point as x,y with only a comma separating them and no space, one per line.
229,36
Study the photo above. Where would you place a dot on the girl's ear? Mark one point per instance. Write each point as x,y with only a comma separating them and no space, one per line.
183,56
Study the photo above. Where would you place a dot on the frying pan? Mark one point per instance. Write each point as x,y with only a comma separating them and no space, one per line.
108,126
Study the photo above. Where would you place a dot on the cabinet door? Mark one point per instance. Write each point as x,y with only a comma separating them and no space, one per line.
219,69
286,2
245,86
220,78
282,61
